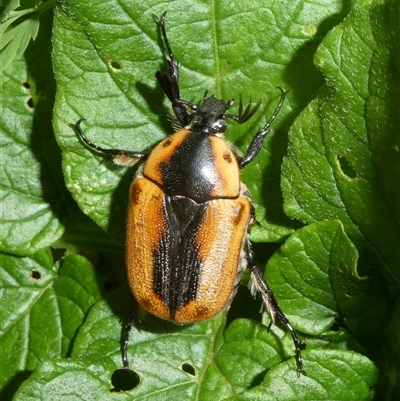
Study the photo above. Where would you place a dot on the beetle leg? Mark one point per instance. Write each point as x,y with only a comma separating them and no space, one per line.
258,284
134,319
169,81
120,157
130,323
258,139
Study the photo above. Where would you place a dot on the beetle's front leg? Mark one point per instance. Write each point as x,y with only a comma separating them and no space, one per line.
169,81
258,139
259,285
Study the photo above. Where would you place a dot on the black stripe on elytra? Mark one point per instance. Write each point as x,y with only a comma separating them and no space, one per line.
191,169
176,261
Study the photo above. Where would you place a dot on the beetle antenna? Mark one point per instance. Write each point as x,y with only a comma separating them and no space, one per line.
245,115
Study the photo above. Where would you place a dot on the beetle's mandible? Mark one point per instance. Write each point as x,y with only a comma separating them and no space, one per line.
189,213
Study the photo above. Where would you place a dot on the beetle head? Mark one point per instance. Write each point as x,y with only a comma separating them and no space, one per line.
210,116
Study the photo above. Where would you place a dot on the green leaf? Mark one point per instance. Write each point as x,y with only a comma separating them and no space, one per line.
220,368
301,274
36,206
30,172
331,375
315,275
42,309
18,27
344,163
344,159
109,80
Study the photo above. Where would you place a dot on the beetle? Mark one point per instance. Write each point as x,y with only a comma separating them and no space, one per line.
189,213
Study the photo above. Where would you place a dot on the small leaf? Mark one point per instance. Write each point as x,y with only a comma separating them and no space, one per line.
17,29
16,40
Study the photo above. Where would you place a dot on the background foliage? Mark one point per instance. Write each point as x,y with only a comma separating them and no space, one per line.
325,185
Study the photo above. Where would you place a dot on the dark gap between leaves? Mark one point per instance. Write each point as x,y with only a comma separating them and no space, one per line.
258,379
57,253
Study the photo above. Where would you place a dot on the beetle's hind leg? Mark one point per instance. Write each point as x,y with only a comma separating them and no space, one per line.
134,319
259,285
119,156
169,81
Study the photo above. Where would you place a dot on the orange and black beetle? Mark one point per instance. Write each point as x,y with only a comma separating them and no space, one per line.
189,213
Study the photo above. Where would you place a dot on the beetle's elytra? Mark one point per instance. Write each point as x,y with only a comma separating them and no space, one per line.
189,213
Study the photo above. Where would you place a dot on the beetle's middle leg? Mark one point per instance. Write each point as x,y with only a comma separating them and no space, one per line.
121,157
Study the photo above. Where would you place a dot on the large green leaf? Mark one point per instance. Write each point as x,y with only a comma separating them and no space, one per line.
197,362
343,157
344,163
42,309
31,200
35,205
105,57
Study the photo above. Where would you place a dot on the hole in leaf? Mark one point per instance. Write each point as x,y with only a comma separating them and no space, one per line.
124,381
26,85
115,65
42,96
346,168
35,274
188,368
30,103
